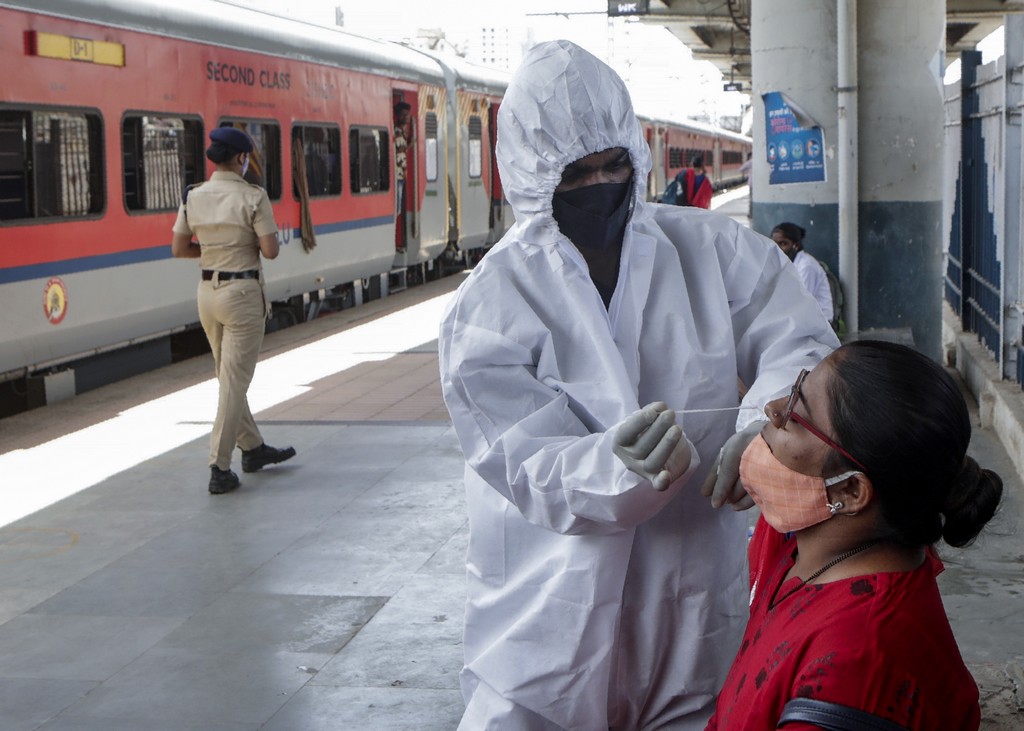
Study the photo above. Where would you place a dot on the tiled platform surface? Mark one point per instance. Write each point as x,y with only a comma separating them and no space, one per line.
326,593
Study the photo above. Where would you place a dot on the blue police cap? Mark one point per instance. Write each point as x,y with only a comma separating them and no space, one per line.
233,138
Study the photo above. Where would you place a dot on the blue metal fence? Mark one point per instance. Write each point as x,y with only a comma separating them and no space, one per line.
954,257
973,273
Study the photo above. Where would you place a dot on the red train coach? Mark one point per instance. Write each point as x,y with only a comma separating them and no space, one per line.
104,115
674,144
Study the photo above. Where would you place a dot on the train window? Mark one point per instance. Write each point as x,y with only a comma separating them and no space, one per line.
476,148
265,160
369,159
319,146
675,157
51,164
430,147
161,156
731,157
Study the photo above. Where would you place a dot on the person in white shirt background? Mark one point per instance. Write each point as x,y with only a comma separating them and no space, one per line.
790,239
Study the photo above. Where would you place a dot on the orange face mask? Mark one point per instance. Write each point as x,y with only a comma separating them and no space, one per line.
789,500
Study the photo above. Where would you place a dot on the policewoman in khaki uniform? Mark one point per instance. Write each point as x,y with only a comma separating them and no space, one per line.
234,224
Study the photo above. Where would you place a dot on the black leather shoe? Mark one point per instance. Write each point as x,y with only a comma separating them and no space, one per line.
222,481
254,460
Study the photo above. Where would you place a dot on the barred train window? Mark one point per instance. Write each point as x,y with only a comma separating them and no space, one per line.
476,154
265,159
161,156
321,148
369,159
51,164
731,157
430,148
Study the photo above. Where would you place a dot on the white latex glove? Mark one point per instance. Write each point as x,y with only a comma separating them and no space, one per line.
651,444
723,482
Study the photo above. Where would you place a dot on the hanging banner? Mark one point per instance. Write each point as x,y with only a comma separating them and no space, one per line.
795,142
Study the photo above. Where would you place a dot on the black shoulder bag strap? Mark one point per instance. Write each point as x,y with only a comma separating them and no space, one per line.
833,717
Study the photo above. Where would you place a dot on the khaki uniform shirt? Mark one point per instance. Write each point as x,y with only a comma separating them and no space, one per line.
228,216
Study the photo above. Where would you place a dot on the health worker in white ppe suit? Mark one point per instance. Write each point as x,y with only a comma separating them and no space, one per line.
604,591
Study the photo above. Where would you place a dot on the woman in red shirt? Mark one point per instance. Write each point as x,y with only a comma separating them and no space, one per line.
695,185
862,468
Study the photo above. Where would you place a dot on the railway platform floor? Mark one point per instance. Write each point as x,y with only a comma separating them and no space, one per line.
325,593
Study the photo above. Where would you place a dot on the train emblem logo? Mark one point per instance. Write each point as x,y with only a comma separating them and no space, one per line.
55,300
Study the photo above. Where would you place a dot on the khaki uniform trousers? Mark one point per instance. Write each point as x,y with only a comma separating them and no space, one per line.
233,315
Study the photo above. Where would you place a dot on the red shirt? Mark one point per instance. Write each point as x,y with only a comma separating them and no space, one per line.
880,643
701,197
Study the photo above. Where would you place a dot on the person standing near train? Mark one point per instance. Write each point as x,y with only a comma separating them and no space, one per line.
691,186
234,224
402,115
697,184
603,592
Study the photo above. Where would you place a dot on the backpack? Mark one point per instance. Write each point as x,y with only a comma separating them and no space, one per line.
675,193
671,194
837,298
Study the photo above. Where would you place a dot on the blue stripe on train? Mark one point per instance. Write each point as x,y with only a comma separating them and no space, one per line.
156,253
331,228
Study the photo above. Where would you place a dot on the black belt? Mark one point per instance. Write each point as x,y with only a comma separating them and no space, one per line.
249,274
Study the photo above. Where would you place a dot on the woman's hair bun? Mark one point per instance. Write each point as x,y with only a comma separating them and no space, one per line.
970,502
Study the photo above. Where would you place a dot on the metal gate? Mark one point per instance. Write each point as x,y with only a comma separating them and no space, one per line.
983,123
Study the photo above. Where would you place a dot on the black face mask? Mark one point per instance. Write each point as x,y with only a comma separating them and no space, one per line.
594,216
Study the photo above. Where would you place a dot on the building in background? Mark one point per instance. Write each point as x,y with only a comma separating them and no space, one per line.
495,47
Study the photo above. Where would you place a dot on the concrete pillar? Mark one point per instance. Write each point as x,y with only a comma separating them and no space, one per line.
1010,196
900,45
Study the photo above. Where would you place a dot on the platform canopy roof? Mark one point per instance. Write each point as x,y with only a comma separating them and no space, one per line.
719,31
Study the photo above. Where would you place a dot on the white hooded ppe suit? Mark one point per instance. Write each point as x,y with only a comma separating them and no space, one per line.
596,602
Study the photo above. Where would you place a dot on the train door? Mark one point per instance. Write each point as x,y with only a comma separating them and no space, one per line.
498,213
664,157
474,205
652,174
657,141
426,211
406,142
718,179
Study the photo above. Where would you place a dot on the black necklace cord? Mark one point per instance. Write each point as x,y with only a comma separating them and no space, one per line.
837,560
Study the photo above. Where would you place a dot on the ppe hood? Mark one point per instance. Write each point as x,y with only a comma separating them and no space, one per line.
562,104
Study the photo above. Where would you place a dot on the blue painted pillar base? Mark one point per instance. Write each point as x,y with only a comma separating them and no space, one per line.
900,263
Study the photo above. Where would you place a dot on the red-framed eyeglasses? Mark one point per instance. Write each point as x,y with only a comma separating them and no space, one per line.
789,413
